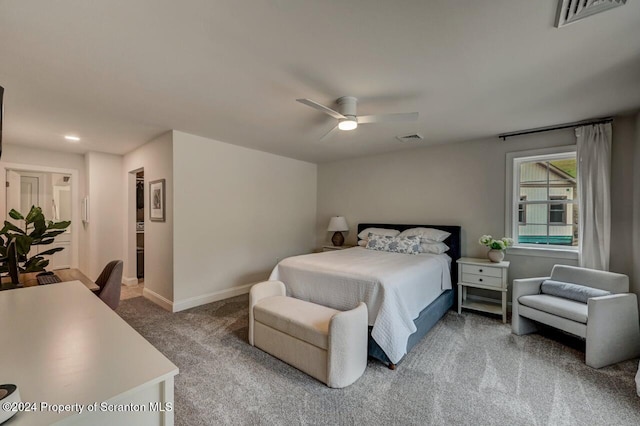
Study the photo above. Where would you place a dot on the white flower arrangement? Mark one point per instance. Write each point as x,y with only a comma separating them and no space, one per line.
501,244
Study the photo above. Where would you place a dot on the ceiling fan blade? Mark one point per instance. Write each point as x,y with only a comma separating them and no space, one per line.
329,133
388,118
322,108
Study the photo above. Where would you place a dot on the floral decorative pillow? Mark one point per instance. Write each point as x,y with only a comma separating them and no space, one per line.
407,245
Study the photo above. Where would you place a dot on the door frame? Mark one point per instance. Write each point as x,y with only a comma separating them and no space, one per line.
75,199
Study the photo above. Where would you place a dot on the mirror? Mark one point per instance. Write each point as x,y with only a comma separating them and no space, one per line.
50,191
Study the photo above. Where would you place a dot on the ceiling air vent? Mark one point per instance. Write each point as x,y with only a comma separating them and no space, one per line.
570,11
410,138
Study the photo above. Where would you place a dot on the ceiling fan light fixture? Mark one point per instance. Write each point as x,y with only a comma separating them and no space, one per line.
348,123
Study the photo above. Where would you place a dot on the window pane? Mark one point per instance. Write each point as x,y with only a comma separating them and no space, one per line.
537,214
558,212
533,181
522,211
561,235
568,167
547,211
567,192
532,234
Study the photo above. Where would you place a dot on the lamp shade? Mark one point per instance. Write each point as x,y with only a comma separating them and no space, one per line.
338,224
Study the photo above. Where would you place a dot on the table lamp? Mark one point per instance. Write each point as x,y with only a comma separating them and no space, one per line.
337,224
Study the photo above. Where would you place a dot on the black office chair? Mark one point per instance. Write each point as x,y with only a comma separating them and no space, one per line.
109,282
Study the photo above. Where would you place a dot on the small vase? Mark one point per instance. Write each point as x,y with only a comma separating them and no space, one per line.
495,255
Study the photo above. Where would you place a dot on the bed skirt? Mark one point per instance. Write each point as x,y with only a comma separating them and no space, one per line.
428,317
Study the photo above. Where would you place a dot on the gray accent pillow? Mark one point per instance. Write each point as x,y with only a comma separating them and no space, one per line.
576,292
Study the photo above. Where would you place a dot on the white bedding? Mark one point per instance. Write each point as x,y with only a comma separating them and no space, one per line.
395,287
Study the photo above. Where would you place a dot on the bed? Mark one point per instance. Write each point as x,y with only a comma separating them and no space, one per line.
401,308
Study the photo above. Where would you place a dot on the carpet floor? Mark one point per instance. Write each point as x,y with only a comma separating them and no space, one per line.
469,369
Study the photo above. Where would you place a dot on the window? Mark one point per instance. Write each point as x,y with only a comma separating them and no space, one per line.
522,210
557,212
544,212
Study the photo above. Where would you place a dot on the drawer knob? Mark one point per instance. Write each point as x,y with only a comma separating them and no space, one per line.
480,280
480,270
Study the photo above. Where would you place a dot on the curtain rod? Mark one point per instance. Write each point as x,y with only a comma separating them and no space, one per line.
504,136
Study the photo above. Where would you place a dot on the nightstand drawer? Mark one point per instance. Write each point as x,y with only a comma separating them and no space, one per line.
482,280
487,271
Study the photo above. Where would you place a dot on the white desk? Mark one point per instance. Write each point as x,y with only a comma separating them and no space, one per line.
62,345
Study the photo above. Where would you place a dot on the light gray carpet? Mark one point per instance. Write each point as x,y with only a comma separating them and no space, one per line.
469,369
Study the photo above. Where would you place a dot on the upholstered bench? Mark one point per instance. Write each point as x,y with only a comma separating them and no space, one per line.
327,344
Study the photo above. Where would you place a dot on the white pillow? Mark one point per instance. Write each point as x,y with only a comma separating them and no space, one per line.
378,231
427,235
362,243
435,248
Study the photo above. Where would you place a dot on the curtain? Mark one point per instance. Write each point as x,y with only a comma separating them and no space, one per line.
594,201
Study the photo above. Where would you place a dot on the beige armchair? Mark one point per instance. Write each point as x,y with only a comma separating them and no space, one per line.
608,323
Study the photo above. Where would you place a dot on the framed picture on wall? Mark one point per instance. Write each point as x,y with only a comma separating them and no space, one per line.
157,200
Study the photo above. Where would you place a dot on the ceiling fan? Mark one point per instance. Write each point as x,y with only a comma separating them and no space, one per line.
349,120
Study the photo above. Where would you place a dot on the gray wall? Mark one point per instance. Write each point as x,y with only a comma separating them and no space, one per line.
464,184
636,210
622,196
237,212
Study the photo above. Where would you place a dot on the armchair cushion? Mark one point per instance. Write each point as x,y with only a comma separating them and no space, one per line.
561,307
579,293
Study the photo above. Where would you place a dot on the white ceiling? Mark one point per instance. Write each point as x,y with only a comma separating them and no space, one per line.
118,73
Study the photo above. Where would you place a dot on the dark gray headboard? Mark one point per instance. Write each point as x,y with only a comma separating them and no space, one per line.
453,241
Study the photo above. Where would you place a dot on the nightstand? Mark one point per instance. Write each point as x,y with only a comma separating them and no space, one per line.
332,248
487,275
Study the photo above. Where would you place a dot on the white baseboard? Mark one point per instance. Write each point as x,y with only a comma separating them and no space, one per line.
181,305
158,300
129,281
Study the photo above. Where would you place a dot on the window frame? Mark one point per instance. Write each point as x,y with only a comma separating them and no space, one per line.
513,160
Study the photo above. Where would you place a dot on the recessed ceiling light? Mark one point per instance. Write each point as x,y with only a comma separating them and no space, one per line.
72,138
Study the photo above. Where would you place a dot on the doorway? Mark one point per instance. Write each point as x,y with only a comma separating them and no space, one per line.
51,190
135,238
140,226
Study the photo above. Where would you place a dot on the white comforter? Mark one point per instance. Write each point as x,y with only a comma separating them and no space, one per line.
395,287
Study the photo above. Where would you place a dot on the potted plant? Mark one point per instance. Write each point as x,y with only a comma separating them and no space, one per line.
37,231
497,247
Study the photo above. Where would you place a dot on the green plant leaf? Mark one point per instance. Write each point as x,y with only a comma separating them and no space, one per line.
16,215
23,244
59,225
52,234
8,226
43,242
34,213
50,251
35,264
39,227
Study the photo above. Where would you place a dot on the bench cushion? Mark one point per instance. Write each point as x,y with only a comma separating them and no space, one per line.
579,293
304,320
564,308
